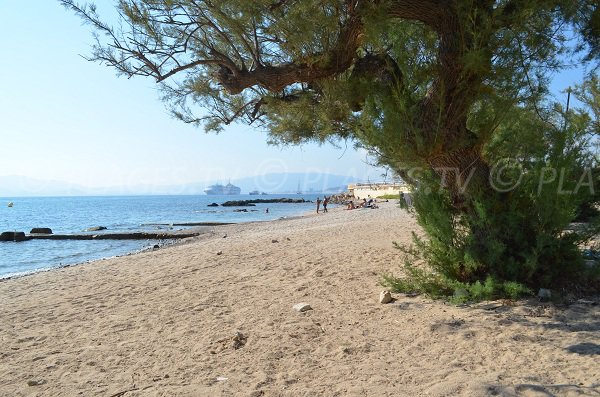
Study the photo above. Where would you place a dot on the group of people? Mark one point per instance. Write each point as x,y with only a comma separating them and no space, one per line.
325,201
370,203
365,204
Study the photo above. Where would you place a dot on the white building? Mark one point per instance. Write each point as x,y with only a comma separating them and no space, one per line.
364,190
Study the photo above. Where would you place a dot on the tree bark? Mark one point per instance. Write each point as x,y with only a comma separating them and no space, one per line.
462,172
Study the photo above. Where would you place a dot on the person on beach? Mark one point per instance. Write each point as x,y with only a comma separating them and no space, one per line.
350,206
325,202
267,211
318,204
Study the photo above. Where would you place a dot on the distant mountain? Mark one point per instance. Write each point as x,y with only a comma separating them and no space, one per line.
309,182
15,186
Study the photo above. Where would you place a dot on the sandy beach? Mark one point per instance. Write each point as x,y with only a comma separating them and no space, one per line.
214,317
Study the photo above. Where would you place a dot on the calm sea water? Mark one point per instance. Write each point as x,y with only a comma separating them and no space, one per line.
66,215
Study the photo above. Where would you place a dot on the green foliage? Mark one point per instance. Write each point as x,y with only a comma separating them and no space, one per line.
515,239
389,197
439,287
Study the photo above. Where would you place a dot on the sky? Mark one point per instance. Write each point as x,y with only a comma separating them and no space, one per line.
67,119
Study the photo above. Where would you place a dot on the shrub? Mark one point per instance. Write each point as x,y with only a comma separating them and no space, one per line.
505,243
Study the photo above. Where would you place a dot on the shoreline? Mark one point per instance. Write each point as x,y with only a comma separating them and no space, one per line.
11,276
215,316
160,242
172,238
170,242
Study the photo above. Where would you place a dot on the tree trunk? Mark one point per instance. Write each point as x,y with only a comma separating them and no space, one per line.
462,172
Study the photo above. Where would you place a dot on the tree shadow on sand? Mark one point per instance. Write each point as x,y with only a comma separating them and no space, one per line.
585,349
576,317
543,390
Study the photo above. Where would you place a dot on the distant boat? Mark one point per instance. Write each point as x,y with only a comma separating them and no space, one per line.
219,189
10,203
254,192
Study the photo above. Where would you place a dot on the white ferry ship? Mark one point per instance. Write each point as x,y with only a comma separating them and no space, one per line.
219,189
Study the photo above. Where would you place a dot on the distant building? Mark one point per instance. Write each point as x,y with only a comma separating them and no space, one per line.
364,190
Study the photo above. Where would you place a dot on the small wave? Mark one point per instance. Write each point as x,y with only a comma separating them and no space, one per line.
8,276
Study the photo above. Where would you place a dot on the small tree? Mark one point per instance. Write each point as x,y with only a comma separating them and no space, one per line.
441,86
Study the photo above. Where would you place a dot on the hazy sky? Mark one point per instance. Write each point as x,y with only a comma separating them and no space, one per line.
64,118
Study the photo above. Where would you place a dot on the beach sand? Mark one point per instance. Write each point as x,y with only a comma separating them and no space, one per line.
187,321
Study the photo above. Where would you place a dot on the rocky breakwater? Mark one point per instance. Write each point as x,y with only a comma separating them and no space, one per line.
341,198
21,236
13,236
252,203
41,230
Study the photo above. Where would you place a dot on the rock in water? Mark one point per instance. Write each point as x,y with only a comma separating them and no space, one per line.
41,230
95,228
13,236
385,297
252,203
302,307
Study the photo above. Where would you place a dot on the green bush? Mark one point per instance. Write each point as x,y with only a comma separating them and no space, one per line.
505,243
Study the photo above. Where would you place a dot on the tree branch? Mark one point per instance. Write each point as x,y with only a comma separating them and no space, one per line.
276,78
430,12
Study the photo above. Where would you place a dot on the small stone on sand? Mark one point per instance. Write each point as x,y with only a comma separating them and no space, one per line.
239,340
385,296
36,382
302,307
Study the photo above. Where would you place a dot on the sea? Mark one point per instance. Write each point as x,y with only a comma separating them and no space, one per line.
71,215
